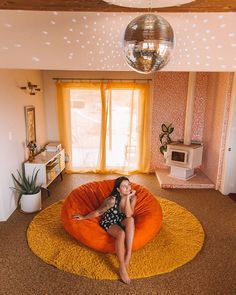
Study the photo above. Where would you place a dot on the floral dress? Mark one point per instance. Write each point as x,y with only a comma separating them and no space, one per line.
113,215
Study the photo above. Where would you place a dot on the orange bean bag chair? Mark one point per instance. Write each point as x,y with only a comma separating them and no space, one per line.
88,197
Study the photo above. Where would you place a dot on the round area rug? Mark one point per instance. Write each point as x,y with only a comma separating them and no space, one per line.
179,240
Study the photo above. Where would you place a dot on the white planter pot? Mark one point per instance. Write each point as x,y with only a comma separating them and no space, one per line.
31,203
165,155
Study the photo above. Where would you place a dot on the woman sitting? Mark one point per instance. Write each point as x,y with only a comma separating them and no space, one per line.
117,211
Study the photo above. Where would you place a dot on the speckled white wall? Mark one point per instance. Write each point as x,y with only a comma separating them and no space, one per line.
199,106
169,103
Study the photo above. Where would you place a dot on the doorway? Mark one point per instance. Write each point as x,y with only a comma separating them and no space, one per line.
229,168
120,121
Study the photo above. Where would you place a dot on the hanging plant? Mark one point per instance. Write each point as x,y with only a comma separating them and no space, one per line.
165,137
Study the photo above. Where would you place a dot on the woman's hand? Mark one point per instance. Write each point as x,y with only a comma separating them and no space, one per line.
78,217
130,203
131,194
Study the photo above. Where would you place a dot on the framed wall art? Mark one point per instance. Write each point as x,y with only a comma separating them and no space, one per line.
30,124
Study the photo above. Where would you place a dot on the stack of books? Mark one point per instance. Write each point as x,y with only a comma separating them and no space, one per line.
53,147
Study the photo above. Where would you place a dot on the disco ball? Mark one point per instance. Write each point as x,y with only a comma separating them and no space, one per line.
148,43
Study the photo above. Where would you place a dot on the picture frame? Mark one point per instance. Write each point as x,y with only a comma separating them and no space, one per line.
30,124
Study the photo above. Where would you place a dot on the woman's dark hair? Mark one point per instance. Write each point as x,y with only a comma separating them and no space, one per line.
117,184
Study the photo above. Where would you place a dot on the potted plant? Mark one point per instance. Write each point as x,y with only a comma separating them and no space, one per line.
165,137
29,192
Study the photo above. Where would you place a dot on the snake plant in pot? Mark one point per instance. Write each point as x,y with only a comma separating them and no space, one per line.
29,191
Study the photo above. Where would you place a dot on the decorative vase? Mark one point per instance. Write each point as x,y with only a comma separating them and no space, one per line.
31,156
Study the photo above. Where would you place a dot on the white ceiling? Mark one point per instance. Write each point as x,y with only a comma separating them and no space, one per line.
93,41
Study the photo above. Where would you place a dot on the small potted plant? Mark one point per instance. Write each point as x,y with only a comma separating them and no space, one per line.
165,137
29,192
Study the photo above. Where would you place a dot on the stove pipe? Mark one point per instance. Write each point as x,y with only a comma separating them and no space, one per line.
189,108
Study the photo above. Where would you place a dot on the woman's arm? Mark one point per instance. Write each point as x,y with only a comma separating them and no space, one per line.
130,204
107,204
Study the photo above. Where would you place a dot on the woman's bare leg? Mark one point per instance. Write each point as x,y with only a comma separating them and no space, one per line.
117,232
128,222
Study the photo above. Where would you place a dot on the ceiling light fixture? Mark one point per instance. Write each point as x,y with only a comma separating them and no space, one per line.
145,3
149,38
148,43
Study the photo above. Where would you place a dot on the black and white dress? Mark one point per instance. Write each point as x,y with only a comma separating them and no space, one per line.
113,215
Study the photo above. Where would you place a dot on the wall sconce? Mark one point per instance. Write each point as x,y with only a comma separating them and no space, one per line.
32,89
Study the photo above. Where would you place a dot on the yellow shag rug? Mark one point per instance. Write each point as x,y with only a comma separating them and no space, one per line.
179,240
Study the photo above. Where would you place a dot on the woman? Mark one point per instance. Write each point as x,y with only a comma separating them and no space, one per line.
117,211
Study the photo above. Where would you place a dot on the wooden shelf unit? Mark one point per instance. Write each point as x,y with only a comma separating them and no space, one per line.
49,164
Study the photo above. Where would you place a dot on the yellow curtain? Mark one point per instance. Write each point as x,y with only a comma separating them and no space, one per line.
64,116
145,128
101,165
106,90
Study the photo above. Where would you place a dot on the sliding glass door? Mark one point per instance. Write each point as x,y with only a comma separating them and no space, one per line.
105,127
122,133
85,127
121,128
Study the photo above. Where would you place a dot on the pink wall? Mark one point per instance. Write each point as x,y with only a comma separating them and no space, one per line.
200,101
228,97
169,105
216,119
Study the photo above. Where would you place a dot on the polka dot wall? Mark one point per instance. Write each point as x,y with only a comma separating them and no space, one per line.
199,106
93,41
169,104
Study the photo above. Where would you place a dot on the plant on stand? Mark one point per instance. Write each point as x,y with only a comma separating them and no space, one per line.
165,137
29,191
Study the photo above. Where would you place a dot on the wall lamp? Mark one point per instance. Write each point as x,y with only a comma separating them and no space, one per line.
32,89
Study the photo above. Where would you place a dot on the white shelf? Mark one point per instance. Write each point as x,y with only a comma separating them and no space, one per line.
49,164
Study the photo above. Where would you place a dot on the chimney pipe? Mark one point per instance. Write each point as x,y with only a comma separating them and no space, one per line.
189,108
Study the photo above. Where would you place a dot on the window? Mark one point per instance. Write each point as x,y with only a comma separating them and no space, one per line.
105,127
121,132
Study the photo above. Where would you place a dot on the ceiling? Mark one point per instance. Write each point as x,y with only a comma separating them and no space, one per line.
102,6
87,35
93,41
